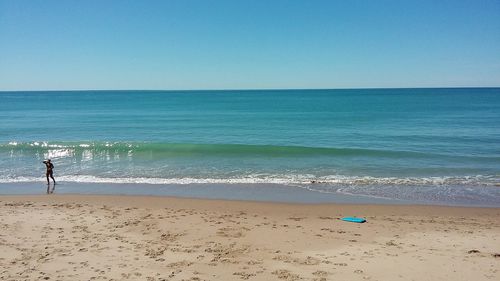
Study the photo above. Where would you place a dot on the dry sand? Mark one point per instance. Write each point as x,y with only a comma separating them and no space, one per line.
68,237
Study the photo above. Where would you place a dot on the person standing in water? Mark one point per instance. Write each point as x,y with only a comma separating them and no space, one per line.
50,171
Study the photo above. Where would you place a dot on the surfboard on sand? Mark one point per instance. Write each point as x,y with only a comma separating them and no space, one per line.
351,219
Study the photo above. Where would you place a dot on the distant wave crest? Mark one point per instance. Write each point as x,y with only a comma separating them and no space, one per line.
138,149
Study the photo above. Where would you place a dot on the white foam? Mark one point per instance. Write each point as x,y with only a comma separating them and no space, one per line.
302,180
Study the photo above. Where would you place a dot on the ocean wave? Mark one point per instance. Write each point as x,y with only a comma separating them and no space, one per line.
138,149
297,180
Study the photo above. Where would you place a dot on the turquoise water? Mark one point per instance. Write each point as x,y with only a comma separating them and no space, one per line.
422,145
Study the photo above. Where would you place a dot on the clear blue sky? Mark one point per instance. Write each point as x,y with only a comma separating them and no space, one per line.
235,44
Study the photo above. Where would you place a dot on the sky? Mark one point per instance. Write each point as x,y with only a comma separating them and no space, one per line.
254,44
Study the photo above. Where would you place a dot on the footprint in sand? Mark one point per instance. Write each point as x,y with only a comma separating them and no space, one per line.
244,275
231,232
286,274
296,218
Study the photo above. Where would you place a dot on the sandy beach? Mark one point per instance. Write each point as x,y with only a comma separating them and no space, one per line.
77,237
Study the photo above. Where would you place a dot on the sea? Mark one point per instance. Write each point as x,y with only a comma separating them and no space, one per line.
419,146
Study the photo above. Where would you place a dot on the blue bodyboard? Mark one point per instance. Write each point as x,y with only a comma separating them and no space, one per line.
358,220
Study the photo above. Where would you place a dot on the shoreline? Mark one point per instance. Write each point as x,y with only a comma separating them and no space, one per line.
121,237
239,192
277,193
159,201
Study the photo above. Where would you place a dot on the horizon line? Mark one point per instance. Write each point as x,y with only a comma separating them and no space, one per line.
249,89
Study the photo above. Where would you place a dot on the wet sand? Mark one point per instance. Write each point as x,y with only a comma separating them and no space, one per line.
83,237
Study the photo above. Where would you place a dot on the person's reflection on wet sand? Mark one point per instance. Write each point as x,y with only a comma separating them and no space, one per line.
50,191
